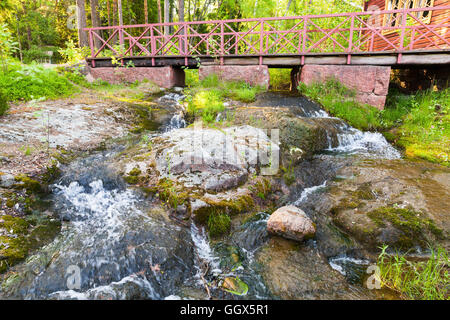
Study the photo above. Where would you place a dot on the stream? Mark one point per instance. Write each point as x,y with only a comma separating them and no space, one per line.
117,243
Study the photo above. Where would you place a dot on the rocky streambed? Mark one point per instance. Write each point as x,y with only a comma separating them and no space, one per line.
179,210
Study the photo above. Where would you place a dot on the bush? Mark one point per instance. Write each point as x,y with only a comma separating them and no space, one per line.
39,54
28,82
280,79
3,103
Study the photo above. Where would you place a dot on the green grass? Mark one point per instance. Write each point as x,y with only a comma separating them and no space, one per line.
424,125
418,123
27,82
426,280
205,97
340,102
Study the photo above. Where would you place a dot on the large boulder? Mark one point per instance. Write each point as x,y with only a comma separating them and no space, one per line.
292,223
395,202
210,159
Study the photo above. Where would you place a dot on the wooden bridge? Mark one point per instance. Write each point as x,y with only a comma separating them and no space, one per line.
393,38
280,41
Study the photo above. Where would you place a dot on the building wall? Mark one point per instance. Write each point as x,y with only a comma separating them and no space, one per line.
437,17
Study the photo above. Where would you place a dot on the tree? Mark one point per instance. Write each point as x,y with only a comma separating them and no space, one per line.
166,16
7,45
146,11
181,10
81,18
96,21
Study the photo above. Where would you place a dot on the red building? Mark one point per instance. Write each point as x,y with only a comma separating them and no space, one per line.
416,35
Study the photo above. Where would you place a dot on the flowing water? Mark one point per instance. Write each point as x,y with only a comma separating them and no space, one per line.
116,243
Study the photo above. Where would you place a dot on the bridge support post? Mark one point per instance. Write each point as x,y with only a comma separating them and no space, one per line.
254,75
370,82
166,77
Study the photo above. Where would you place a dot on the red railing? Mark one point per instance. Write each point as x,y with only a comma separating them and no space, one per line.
396,31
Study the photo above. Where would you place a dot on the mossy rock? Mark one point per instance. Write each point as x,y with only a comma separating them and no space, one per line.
400,228
27,183
24,235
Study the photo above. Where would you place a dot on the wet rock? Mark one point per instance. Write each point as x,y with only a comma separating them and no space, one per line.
399,203
209,159
300,137
6,180
292,223
292,271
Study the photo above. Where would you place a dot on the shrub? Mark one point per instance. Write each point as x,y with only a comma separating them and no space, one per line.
3,103
28,82
72,54
280,79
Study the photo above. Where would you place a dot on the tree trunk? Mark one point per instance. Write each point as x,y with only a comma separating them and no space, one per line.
96,22
81,18
166,16
119,11
181,10
146,11
181,19
114,20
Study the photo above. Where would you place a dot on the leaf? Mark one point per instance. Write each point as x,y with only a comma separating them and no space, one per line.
235,286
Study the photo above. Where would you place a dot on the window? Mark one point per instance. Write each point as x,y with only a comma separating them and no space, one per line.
394,19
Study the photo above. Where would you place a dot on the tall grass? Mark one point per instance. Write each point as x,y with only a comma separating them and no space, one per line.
425,280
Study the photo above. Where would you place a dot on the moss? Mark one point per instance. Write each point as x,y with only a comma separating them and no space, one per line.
218,224
413,225
364,192
27,183
24,235
169,194
51,173
262,188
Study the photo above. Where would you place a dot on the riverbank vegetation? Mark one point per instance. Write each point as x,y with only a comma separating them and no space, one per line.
205,98
418,123
426,280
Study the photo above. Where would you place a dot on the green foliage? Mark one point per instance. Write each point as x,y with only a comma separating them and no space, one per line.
206,104
340,102
205,97
191,77
28,82
3,103
424,280
218,224
40,54
424,124
7,45
419,123
280,79
72,54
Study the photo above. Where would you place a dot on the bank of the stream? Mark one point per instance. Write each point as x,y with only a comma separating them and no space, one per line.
137,220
